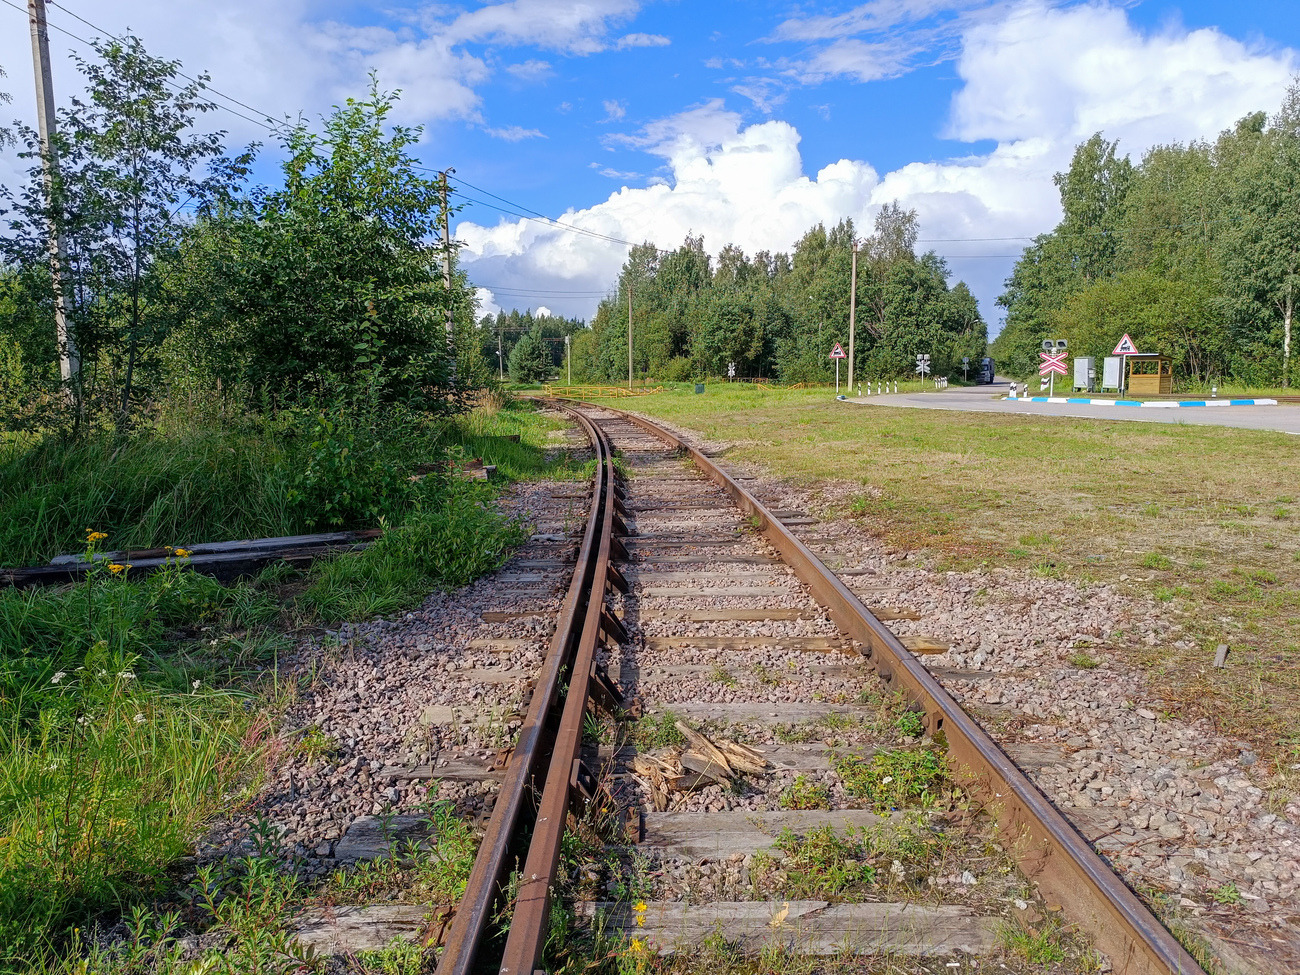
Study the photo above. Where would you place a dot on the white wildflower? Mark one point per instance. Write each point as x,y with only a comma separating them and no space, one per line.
886,780
58,678
139,718
126,675
194,688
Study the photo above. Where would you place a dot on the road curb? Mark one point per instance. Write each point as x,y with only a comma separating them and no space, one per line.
1088,401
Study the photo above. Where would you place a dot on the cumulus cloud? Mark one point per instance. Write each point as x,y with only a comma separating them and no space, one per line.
1036,81
558,25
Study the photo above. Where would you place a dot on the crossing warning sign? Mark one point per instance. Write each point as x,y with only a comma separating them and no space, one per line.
1053,362
1126,347
838,352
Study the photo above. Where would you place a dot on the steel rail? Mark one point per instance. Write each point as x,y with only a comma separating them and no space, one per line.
1046,846
534,741
529,923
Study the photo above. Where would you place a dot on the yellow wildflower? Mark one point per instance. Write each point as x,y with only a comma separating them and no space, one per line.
94,536
117,568
183,553
638,946
640,909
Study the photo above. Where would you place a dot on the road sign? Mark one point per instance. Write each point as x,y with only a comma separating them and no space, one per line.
838,352
731,370
1053,362
1126,347
1053,365
923,364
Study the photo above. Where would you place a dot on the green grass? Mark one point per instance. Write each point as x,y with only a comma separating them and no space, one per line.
894,780
1207,508
131,713
191,479
803,794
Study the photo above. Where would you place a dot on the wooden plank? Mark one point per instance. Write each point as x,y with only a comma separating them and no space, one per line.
925,645
693,835
702,557
453,770
372,837
805,927
345,930
818,644
506,644
653,575
755,712
701,592
761,615
1221,656
236,545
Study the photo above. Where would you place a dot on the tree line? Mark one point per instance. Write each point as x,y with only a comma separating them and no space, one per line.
1194,252
778,315
181,277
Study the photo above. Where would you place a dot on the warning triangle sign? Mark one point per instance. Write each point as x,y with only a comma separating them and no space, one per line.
1126,347
838,352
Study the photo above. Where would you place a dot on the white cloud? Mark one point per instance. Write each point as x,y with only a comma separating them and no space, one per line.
641,40
614,110
542,312
516,133
531,70
558,25
1037,82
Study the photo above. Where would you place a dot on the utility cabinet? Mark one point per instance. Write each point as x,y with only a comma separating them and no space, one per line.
1112,371
1085,373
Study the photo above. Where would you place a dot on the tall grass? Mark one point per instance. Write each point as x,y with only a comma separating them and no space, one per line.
148,490
202,478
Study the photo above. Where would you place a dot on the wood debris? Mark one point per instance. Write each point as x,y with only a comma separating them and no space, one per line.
703,762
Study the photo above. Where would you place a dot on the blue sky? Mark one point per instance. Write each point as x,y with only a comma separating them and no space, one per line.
743,121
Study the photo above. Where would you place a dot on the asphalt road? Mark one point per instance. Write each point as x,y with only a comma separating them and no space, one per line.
988,399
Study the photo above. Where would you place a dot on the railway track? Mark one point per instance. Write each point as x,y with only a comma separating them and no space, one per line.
762,743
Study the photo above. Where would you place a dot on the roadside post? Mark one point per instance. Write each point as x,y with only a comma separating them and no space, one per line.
965,364
837,354
1053,364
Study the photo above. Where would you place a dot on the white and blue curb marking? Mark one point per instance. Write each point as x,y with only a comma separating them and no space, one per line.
1088,401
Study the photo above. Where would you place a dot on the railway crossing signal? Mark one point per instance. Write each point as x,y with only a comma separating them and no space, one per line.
923,364
1053,365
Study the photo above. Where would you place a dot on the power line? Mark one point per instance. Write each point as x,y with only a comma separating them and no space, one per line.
205,85
77,37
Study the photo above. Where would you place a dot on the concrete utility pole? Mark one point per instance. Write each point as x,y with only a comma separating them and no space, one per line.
568,354
69,360
501,358
629,329
446,271
853,308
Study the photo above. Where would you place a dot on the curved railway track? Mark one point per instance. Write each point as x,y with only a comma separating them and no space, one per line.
631,528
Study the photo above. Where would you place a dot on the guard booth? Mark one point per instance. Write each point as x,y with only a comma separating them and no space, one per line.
1150,375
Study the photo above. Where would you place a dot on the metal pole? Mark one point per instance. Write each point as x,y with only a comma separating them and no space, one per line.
69,359
568,354
853,308
501,358
446,271
629,328
837,377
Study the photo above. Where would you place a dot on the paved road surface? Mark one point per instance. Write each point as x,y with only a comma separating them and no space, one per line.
987,399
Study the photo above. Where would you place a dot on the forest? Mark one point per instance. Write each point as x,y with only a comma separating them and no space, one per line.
1194,251
778,315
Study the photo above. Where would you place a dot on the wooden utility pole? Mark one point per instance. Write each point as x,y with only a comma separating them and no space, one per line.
853,310
69,360
446,271
629,328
